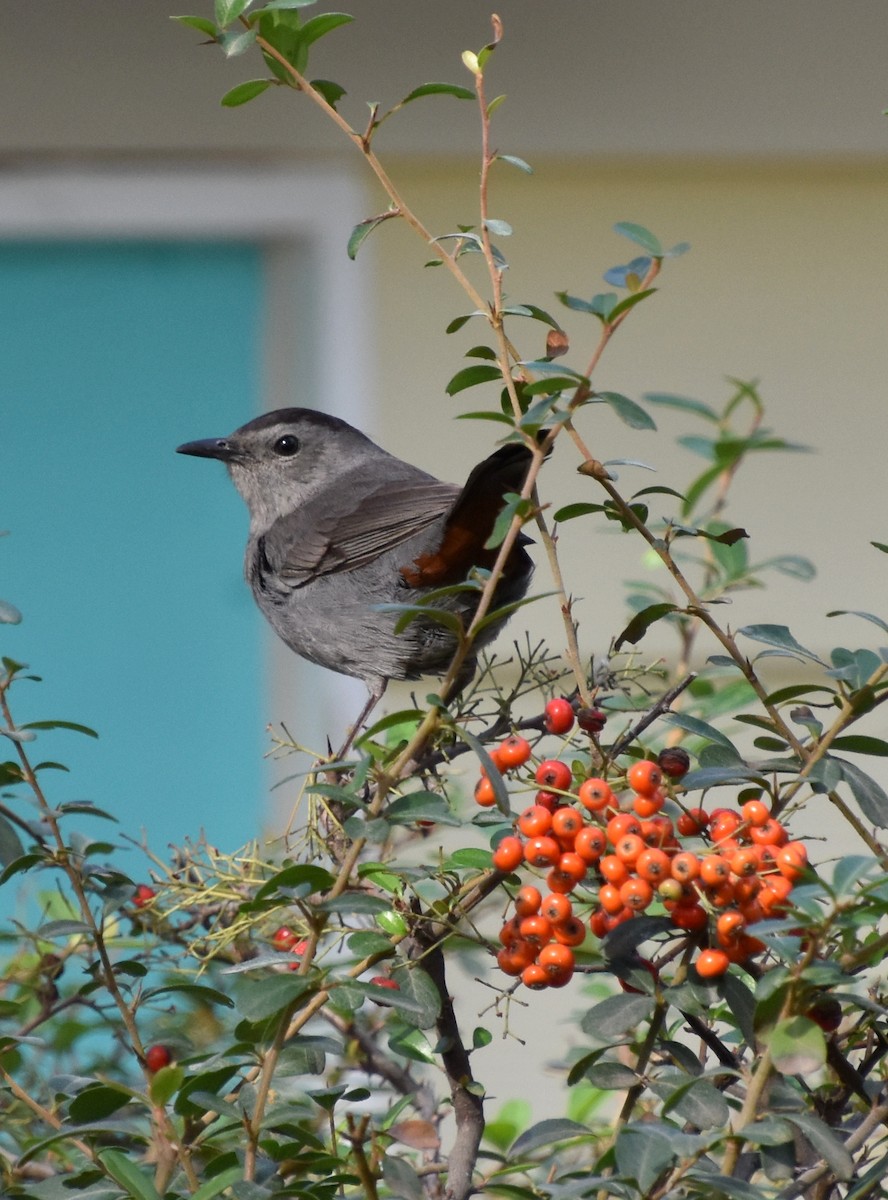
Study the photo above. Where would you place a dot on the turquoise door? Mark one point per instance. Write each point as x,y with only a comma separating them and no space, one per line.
123,557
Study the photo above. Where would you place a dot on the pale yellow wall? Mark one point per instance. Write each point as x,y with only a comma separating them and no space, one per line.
784,283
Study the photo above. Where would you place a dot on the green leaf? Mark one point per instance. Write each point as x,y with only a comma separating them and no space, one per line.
11,847
225,1179
514,161
421,806
683,404
137,1181
616,1017
257,999
401,1179
197,991
797,1046
244,92
205,1083
164,1085
853,612
97,1101
571,511
642,621
695,1100
321,25
498,228
417,986
700,729
859,743
201,24
869,795
611,1076
824,1141
439,89
362,231
303,879
237,41
643,1154
627,410
332,92
641,236
61,725
471,376
229,10
780,637
546,1134
629,302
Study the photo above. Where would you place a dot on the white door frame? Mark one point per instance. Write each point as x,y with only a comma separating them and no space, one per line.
302,217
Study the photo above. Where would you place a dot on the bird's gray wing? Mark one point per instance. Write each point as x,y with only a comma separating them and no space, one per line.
347,530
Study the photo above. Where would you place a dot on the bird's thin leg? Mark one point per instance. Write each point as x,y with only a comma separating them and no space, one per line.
373,699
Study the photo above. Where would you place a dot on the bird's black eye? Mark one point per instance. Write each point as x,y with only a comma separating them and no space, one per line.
286,446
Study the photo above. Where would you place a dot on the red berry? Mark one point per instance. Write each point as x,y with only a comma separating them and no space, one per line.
284,938
559,715
591,720
156,1057
143,895
553,774
385,981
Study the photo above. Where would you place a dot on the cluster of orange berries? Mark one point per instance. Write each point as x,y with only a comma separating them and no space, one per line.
736,867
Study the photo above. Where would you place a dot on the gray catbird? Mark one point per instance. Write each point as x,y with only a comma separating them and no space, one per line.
338,527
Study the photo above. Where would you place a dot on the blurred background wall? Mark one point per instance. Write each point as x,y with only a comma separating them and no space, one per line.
753,131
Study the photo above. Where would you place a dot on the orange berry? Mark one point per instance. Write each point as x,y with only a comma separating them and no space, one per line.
774,893
658,831
542,851
712,963
670,890
598,922
610,899
534,977
685,866
744,862
484,793
513,959
513,752
535,821
596,794
556,908
692,821
528,900
572,865
644,777
792,860
553,774
771,833
621,824
636,894
755,813
647,806
724,826
653,865
628,848
590,843
613,869
715,870
729,926
571,932
556,958
536,929
509,853
567,822
722,896
509,934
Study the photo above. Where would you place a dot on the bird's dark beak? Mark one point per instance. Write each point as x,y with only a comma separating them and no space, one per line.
219,448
